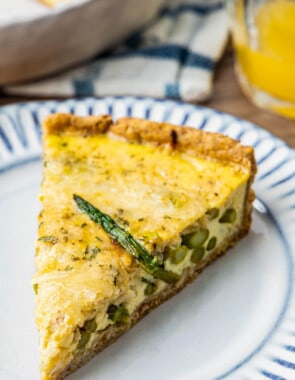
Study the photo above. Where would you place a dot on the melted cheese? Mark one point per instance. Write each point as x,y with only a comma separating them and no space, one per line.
152,192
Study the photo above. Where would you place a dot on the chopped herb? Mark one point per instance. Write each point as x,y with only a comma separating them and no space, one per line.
83,225
126,240
65,239
122,221
91,252
167,217
141,219
49,239
64,144
75,258
178,200
63,231
67,268
212,213
126,172
98,238
36,288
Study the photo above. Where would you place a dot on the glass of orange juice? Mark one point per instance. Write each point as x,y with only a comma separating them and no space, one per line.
264,39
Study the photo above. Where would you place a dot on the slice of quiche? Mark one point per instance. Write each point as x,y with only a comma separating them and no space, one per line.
132,212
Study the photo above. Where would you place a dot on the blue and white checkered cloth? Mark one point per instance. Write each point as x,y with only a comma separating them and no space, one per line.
174,56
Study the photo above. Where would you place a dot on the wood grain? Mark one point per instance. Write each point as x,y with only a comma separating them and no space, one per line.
228,97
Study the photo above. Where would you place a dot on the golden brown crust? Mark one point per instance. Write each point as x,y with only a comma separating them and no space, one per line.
61,123
113,332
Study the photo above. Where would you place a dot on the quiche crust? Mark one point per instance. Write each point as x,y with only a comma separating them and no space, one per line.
179,139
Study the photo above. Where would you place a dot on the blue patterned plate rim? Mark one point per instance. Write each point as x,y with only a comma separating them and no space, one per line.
212,111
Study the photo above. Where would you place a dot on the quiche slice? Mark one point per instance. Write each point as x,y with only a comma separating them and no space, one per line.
132,212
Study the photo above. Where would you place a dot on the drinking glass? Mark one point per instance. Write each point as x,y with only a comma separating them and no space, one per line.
263,34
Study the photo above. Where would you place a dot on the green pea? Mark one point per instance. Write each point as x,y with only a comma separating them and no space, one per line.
166,275
197,255
118,313
196,239
229,216
149,289
90,325
177,255
212,213
85,336
211,243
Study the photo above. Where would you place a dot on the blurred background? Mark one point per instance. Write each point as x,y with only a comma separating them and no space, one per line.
236,56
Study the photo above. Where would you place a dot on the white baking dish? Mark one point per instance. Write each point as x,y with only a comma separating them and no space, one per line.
36,40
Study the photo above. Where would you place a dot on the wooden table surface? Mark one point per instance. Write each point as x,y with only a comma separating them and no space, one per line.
228,97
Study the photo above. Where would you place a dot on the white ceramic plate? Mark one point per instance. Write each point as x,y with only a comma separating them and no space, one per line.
237,321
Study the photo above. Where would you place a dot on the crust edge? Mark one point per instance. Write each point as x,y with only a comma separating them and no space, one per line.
68,124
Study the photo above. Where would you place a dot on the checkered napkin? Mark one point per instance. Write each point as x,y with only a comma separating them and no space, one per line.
174,56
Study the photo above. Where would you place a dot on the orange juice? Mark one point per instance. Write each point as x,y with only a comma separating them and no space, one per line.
265,54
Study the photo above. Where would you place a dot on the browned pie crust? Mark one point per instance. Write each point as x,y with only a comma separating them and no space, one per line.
182,139
63,123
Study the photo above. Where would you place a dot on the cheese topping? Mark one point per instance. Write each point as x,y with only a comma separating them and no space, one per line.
152,192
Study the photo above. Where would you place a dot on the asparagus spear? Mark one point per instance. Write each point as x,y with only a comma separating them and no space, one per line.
125,239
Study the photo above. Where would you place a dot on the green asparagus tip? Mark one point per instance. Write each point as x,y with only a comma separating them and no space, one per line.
126,240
